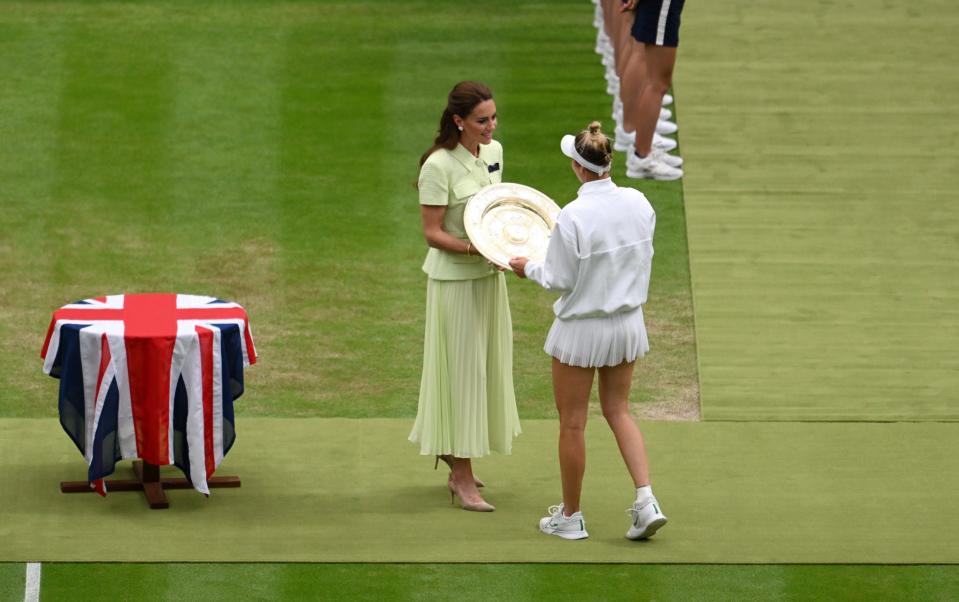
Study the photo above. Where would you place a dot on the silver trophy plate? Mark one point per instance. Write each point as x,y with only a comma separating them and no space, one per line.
510,220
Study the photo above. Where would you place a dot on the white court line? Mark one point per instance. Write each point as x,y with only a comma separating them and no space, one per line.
32,591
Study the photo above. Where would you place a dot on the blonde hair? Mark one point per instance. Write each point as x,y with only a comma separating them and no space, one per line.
593,145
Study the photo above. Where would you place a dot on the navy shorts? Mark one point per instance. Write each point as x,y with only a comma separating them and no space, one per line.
657,22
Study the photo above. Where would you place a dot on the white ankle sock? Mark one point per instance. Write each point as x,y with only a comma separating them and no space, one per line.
644,492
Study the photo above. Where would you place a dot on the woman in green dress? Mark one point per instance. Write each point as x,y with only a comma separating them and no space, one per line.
467,408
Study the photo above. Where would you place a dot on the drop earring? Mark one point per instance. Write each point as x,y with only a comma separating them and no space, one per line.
459,127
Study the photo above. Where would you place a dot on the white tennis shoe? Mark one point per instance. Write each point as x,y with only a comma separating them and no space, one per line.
560,525
666,127
663,143
652,167
672,160
647,518
624,141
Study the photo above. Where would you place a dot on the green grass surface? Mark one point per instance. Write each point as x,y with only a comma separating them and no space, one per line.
230,582
12,581
265,153
341,490
820,190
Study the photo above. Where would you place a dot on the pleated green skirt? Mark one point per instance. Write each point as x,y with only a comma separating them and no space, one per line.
467,406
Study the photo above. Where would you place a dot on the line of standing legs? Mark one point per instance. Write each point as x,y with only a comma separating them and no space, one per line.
638,75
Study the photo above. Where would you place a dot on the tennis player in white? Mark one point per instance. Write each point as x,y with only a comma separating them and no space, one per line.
599,259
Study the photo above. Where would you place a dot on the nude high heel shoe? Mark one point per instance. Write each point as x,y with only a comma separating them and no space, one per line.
480,506
448,459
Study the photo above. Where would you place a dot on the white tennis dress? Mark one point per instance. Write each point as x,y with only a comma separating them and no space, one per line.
600,259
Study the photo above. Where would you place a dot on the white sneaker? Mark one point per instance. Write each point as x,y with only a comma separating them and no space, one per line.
666,127
602,46
652,167
632,160
646,517
624,141
567,527
671,160
667,99
663,143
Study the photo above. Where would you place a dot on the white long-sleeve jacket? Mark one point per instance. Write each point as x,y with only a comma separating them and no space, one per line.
600,254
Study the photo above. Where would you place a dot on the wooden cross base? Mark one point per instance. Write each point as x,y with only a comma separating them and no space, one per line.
149,482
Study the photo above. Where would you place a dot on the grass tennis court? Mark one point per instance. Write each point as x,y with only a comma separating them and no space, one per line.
822,226
255,152
342,490
265,152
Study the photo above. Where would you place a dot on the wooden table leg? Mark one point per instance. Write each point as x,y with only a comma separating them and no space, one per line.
149,482
149,475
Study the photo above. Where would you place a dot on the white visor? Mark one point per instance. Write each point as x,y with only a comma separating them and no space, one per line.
568,146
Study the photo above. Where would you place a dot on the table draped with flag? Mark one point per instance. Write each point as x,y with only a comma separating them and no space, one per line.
150,376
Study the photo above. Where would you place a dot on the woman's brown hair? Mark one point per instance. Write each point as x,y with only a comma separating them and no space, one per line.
461,101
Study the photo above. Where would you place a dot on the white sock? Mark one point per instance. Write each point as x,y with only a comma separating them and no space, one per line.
644,492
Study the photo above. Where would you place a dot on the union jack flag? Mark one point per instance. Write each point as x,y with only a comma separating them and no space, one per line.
150,376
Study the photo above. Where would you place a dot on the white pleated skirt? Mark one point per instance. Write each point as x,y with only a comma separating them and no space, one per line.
467,406
597,342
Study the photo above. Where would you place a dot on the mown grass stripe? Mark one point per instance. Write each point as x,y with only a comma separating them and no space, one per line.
468,582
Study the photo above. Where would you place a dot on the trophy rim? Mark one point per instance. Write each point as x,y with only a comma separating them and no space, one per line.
519,197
